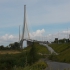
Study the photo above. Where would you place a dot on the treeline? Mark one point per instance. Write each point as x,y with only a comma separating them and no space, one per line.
13,46
61,40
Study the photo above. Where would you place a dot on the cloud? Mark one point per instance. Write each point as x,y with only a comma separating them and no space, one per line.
7,39
42,36
59,35
37,33
65,32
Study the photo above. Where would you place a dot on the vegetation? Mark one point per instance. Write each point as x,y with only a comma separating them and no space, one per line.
13,46
33,54
9,51
63,50
40,65
61,40
27,58
39,48
8,61
60,47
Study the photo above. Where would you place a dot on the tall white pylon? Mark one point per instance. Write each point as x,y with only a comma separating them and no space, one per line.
25,31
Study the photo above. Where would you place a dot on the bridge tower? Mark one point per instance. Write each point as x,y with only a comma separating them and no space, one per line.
25,31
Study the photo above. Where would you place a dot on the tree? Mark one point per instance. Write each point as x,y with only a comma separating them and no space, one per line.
14,46
1,47
33,54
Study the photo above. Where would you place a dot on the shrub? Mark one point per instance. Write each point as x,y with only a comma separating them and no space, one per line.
40,65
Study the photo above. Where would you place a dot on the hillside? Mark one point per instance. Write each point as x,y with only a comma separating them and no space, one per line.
63,50
40,48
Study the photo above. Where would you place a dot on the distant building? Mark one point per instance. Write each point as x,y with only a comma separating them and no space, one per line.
56,40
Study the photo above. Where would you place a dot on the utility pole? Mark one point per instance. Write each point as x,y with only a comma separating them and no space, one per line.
67,35
58,37
19,33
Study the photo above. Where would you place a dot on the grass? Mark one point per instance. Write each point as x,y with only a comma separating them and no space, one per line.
40,48
63,50
60,47
9,51
65,56
40,65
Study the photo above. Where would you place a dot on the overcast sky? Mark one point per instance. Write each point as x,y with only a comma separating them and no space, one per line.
44,18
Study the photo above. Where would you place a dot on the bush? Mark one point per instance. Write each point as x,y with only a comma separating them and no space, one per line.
7,63
33,56
53,57
40,65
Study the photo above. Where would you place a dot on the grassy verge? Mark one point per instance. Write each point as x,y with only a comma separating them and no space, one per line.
63,50
60,47
40,65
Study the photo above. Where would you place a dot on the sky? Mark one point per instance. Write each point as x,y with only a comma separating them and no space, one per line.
46,19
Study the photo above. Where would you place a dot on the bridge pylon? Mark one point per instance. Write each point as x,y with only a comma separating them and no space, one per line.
25,31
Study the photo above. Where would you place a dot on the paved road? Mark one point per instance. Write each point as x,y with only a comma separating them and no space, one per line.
57,66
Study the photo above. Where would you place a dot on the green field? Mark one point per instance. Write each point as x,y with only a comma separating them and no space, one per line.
63,50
